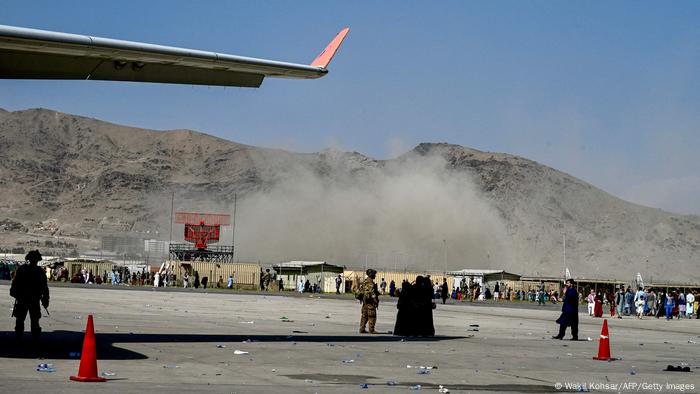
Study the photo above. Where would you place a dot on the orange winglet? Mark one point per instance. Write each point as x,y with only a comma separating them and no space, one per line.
327,55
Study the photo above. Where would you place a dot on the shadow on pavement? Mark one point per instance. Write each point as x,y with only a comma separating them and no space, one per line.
60,344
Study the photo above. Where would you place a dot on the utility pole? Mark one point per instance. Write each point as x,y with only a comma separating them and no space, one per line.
564,243
444,243
172,208
233,228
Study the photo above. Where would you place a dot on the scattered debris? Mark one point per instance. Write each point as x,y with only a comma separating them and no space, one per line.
240,352
108,374
391,383
364,386
299,332
633,372
43,367
220,346
170,366
348,361
308,381
475,325
247,322
421,367
416,387
691,341
443,389
589,339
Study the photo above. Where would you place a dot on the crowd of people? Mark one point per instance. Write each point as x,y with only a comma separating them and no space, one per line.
623,301
123,276
657,303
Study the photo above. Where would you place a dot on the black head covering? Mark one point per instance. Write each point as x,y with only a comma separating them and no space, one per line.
33,255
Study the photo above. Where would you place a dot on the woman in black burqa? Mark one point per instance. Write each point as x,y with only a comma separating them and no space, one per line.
424,307
404,316
415,309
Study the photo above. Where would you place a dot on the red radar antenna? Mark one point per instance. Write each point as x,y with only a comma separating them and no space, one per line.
202,229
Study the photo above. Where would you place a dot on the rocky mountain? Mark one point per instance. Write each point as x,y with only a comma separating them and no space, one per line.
69,180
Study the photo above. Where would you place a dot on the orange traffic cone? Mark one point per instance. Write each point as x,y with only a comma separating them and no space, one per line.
88,360
604,346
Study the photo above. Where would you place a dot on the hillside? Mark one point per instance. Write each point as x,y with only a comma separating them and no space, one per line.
71,179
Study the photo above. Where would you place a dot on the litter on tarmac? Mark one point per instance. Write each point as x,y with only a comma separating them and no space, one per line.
43,367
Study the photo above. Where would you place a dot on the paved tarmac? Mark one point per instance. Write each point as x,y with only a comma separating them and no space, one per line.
185,341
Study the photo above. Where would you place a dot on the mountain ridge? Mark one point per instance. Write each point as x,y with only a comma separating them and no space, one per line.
85,177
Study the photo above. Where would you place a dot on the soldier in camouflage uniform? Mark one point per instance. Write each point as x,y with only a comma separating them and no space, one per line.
370,302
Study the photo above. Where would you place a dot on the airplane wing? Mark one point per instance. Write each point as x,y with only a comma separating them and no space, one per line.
39,54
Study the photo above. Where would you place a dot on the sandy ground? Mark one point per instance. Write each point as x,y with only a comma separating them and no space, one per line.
177,341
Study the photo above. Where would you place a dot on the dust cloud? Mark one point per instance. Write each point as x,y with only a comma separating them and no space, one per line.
406,213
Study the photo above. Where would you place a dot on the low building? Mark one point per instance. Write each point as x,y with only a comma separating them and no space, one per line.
354,277
245,275
316,272
487,278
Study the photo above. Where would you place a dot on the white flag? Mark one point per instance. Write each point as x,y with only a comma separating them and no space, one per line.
568,274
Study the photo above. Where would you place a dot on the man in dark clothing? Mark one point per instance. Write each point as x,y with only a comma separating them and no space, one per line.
29,287
444,290
338,282
569,312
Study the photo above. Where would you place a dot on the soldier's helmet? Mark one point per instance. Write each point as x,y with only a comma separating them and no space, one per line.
33,255
371,273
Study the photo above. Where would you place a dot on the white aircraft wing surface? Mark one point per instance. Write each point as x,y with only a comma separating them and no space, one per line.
39,54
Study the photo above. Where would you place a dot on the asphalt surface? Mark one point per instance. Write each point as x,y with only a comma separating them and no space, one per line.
177,340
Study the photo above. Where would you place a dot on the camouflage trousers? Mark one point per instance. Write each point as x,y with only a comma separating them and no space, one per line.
369,315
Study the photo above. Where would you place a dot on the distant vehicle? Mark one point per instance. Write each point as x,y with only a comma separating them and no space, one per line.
40,54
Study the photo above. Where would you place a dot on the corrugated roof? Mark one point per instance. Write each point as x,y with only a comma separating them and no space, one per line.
299,264
476,272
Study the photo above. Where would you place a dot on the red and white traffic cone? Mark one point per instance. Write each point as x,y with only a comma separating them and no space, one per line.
604,345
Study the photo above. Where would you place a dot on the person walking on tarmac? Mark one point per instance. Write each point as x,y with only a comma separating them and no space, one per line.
370,302
444,290
29,287
569,312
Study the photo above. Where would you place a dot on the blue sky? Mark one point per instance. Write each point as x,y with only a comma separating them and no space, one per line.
606,91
